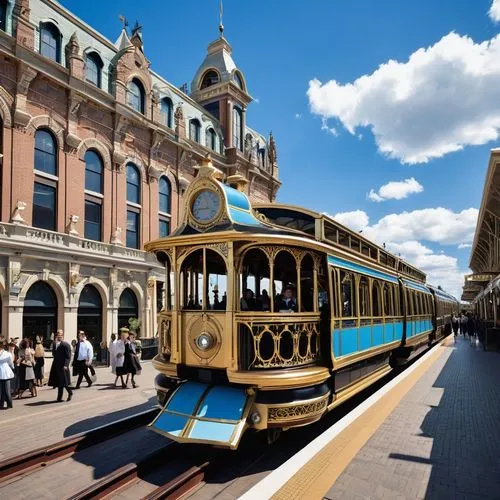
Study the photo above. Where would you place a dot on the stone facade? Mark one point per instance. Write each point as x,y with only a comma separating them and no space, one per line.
38,92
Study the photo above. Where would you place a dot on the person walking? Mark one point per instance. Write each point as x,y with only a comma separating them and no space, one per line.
132,363
82,359
39,363
471,328
463,324
6,375
14,383
112,354
119,351
59,372
454,325
26,364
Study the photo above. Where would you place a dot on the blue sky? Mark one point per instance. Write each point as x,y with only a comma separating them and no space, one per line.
426,117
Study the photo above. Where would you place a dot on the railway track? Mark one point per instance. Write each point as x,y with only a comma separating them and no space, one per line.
39,458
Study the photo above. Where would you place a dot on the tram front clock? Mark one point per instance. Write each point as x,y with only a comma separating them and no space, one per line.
206,206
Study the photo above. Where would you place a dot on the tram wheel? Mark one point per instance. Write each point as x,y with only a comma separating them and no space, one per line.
273,434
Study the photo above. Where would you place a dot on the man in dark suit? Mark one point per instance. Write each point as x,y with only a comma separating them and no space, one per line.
59,372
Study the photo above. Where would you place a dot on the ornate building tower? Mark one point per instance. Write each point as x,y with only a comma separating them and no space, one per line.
220,87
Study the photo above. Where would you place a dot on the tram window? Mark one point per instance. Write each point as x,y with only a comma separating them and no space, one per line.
364,297
409,305
255,278
417,302
307,284
376,299
331,232
383,258
322,286
343,239
348,295
388,304
192,281
285,282
336,292
365,249
216,291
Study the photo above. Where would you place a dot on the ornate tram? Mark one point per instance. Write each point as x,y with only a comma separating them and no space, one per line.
235,355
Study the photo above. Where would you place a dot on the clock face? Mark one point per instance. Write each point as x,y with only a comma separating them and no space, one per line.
206,206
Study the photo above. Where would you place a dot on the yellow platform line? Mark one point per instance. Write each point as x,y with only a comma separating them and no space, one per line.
316,477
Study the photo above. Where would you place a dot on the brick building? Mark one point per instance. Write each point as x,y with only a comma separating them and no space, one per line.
96,153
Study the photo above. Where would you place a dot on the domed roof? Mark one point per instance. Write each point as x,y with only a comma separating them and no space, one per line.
218,67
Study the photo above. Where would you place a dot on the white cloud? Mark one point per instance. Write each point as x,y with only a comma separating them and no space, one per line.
325,127
355,220
401,234
494,11
442,99
298,116
464,245
396,190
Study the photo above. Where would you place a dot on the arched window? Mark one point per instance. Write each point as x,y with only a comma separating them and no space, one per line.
129,308
194,130
136,95
89,314
255,277
209,78
364,298
237,129
3,15
93,69
164,192
211,139
45,152
93,204
133,211
93,172
40,311
238,80
45,186
50,42
376,300
166,111
133,184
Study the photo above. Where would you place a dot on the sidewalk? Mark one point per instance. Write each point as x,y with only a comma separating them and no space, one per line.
36,422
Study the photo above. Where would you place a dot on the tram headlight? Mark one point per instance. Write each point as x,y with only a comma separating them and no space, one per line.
204,341
255,417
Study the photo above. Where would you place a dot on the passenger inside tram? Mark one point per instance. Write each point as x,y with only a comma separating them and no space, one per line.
288,302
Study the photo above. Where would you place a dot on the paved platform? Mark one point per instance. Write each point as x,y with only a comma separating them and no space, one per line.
434,434
40,421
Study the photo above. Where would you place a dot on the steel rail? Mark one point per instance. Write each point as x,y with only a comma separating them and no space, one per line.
46,455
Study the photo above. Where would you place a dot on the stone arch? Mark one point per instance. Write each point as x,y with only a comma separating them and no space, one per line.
5,110
57,284
99,284
97,145
143,78
235,72
45,121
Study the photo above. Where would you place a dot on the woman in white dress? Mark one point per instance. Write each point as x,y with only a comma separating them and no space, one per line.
119,358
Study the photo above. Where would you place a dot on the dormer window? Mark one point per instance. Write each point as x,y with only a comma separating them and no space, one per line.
211,139
50,42
238,80
166,111
93,69
136,95
194,130
237,128
210,78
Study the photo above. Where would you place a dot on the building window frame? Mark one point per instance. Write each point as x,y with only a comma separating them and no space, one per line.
136,95
136,233
136,199
50,42
47,181
43,156
211,139
90,172
238,128
88,224
167,111
3,15
194,130
94,63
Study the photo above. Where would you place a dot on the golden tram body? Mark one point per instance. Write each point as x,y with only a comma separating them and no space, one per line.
235,356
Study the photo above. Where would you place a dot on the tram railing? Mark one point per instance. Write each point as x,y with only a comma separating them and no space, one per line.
270,341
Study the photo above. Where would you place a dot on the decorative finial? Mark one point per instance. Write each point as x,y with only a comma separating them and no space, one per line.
124,21
221,26
136,30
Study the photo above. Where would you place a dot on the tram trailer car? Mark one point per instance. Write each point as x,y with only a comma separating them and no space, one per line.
234,356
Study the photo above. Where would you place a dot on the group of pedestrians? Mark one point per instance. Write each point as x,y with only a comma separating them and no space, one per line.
22,367
466,324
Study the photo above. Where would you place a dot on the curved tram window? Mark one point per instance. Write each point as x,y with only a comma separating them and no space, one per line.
203,281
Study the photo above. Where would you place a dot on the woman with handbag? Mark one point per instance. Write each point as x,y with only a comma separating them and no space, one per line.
26,363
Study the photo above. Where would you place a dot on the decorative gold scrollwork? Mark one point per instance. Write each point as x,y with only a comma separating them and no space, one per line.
296,412
165,336
284,345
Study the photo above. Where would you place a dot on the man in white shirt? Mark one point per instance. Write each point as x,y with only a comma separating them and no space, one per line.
84,353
